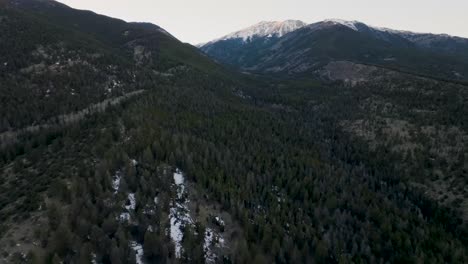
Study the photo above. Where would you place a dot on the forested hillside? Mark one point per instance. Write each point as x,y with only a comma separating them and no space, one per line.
202,165
56,60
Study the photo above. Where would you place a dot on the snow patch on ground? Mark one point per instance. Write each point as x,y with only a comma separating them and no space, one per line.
124,217
212,239
219,221
221,241
179,182
116,182
179,217
179,213
176,232
132,205
209,256
138,248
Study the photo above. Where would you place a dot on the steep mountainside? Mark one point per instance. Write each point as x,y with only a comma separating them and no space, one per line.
241,47
307,49
56,60
264,29
442,43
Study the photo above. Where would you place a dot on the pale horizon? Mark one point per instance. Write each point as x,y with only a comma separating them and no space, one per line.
202,21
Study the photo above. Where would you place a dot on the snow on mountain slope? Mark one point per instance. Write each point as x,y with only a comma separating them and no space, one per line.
422,39
292,47
351,24
264,29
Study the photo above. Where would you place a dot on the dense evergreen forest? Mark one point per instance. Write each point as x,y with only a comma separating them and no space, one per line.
301,189
209,166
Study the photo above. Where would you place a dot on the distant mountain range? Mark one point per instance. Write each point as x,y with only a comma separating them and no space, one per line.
293,47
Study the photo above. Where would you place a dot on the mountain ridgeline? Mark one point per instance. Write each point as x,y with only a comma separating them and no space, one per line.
334,142
307,48
56,59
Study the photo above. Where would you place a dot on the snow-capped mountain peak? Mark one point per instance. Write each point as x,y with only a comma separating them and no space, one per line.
350,24
266,29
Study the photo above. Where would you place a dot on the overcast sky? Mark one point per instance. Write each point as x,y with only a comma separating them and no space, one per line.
197,21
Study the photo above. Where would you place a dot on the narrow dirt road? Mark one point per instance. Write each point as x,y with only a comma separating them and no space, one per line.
11,137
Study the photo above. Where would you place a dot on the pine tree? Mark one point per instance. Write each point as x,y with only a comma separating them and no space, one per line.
115,254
